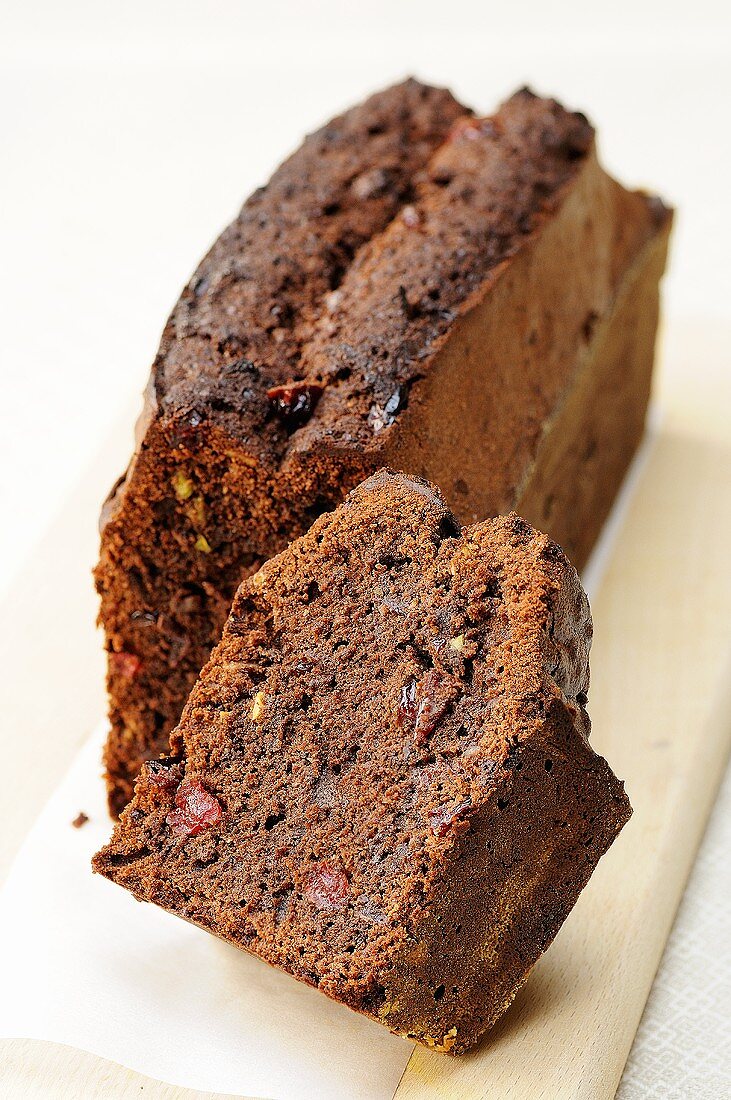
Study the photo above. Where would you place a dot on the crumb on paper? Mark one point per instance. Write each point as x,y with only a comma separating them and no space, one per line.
80,820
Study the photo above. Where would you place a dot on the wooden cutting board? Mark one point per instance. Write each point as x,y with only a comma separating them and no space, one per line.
660,703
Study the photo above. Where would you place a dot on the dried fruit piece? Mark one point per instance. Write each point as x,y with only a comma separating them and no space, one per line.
424,704
202,544
162,774
294,403
432,708
327,886
442,820
182,485
408,705
197,809
127,665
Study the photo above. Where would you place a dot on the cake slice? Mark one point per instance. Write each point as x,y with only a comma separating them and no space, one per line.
471,300
382,781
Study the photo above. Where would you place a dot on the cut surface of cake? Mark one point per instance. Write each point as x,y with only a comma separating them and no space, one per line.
471,300
382,781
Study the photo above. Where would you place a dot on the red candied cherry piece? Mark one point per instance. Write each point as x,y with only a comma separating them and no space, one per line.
197,809
126,664
327,886
294,403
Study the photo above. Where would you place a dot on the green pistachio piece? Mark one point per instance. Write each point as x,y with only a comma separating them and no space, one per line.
182,485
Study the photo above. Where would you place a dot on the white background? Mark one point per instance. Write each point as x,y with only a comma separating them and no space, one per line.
130,133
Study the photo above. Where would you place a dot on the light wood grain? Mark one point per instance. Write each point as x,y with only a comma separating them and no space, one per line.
661,706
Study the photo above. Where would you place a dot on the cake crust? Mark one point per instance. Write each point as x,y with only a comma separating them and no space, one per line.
382,781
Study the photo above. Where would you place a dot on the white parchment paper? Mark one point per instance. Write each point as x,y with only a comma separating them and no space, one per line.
83,963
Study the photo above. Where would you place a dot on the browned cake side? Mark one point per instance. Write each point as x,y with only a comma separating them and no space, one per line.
382,781
474,302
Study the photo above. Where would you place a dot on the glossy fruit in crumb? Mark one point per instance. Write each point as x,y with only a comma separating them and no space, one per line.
327,886
294,403
422,705
126,665
196,809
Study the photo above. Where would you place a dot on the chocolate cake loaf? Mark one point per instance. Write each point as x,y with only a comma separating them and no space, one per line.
471,300
382,781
